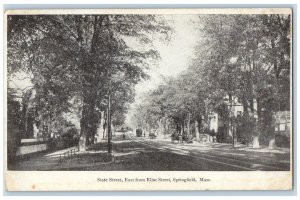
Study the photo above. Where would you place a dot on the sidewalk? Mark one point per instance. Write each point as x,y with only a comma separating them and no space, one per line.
51,161
225,146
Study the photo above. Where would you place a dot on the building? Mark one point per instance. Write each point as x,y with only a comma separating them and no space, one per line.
223,128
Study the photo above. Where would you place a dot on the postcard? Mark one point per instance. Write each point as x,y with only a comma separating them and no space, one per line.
148,99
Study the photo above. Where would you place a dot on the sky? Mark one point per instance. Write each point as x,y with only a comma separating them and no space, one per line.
21,82
175,54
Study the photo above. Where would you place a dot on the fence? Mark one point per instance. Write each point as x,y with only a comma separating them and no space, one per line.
67,154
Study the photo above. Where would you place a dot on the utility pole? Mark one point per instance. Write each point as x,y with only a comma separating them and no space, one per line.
231,120
231,99
109,125
109,135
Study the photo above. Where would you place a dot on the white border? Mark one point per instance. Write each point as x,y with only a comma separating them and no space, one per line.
157,2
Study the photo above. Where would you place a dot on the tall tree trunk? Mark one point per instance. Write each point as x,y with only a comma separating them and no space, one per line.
41,125
197,130
101,124
181,129
94,123
105,125
178,127
88,122
160,127
167,126
84,127
113,129
24,121
272,143
199,123
231,114
188,124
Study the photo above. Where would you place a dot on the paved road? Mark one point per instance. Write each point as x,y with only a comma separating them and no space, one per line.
143,154
216,158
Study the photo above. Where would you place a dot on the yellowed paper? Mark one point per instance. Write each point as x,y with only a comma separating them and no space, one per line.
248,175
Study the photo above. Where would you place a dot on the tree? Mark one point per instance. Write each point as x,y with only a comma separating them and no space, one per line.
85,50
241,59
13,124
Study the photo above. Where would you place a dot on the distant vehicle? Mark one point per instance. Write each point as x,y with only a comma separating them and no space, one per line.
152,134
123,129
139,132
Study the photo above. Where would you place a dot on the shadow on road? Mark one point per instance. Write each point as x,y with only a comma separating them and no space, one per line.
129,155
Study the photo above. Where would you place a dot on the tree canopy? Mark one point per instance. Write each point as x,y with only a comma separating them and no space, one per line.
244,58
83,56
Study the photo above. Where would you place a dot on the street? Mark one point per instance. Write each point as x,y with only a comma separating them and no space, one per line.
144,154
215,158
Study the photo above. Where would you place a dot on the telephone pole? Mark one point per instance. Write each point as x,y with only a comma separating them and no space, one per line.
109,125
109,135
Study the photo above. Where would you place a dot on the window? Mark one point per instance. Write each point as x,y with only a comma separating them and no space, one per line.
281,127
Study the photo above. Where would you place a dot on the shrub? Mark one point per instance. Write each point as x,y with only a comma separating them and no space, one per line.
246,128
282,141
267,130
69,137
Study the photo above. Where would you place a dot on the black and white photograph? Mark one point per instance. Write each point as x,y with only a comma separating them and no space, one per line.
147,91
